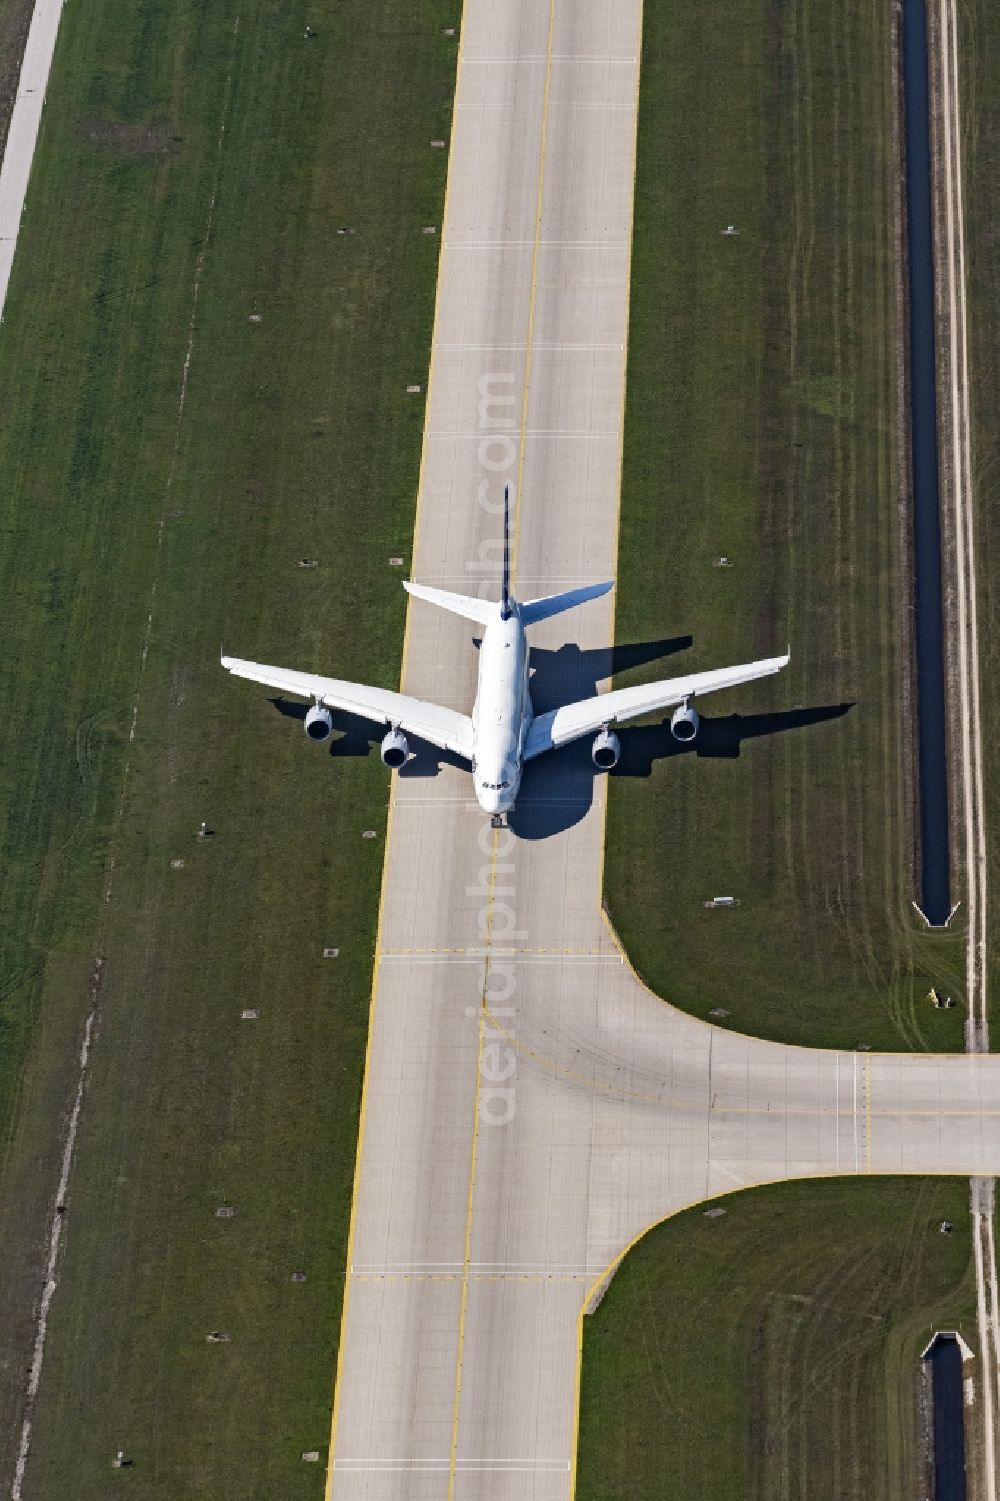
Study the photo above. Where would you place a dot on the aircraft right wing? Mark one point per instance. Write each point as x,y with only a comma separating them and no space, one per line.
587,715
445,728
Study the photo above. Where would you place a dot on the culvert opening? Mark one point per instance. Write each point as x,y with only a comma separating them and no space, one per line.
943,1359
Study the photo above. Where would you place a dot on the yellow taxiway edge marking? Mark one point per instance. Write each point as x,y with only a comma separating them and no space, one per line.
341,1338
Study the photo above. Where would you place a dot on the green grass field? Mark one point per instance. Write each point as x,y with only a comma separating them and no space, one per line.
773,1353
202,383
761,427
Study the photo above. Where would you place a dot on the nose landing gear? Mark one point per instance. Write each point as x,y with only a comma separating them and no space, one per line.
498,821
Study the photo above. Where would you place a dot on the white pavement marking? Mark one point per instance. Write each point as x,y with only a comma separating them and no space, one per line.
540,57
496,348
531,245
19,152
524,1121
519,1465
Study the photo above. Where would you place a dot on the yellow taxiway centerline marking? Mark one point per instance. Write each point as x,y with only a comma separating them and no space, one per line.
533,292
484,1010
463,1307
341,1338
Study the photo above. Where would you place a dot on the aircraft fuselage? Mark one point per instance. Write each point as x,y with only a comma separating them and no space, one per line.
502,713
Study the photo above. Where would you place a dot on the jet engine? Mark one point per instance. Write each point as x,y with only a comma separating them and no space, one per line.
319,723
684,724
605,750
394,749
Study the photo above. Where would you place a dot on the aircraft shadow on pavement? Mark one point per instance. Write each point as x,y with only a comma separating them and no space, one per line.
558,788
561,677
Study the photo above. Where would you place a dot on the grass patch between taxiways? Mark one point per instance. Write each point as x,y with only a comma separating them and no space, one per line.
774,1351
761,427
217,149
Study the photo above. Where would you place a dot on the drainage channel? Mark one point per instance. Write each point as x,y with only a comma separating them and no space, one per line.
935,876
943,1358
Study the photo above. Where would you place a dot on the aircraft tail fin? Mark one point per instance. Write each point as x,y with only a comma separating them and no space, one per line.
505,604
554,604
483,611
480,610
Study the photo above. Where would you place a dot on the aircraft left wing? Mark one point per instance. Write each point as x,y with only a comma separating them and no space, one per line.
445,728
587,715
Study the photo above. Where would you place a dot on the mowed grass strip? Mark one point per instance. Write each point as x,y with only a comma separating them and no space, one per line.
774,1351
203,383
979,82
761,428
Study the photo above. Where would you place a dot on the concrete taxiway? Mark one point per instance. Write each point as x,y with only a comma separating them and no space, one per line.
529,1108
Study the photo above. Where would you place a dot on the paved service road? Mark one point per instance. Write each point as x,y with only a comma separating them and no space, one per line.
529,1107
23,133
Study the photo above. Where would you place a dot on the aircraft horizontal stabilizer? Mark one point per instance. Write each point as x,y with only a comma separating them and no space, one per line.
480,610
554,604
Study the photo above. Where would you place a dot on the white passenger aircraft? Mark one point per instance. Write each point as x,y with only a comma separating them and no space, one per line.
502,732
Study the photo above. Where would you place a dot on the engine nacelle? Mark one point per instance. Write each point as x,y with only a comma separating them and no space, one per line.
605,750
394,750
684,724
319,723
